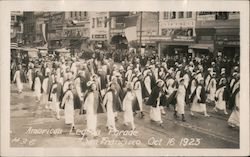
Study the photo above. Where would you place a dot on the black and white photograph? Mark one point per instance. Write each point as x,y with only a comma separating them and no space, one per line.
125,79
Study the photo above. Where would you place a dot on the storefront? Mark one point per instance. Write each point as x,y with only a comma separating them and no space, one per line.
204,42
228,42
177,45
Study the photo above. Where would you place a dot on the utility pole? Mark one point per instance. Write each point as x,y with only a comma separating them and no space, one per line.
140,30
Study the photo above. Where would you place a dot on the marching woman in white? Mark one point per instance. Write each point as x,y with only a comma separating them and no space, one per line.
198,103
128,106
154,102
220,104
234,119
55,94
45,94
17,79
30,75
138,92
180,97
147,81
109,102
68,106
211,88
37,87
91,103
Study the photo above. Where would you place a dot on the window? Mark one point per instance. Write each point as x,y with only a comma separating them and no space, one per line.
71,14
80,14
85,13
105,22
173,15
181,15
93,23
165,15
221,15
12,18
189,14
99,22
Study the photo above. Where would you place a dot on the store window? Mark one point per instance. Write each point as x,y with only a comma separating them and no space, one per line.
189,14
181,15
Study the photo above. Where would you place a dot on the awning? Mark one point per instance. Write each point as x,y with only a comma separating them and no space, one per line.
62,50
209,47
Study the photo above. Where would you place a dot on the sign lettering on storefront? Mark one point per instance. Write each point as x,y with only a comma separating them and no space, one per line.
76,32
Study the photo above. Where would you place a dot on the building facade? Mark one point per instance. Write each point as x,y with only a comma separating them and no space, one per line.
219,32
29,28
176,32
99,29
16,31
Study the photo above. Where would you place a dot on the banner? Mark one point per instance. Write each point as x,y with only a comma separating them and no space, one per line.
130,28
44,32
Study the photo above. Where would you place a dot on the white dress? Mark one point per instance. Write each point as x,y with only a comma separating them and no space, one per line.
55,101
37,87
138,94
155,112
17,78
220,103
78,88
180,105
29,74
212,89
45,95
171,89
234,119
108,101
196,106
186,80
147,82
127,107
91,115
68,101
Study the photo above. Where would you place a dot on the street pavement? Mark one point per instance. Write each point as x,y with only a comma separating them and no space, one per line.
197,132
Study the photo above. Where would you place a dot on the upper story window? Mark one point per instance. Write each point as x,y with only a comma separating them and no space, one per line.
93,23
172,15
85,13
189,14
181,15
221,15
165,15
99,22
105,22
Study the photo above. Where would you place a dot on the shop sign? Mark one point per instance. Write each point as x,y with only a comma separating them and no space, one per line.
99,36
228,43
76,33
184,38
